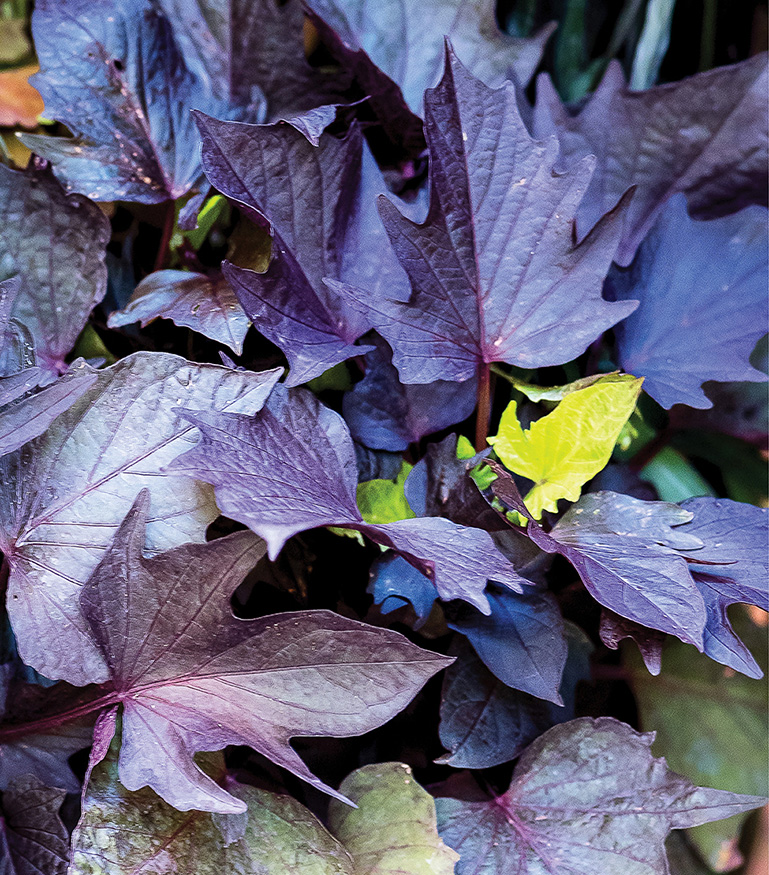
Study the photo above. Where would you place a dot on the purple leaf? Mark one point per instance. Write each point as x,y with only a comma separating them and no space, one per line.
114,75
384,414
318,202
205,304
395,51
56,243
625,551
191,677
485,723
494,269
522,641
293,468
26,418
249,48
614,629
33,839
694,280
66,492
586,798
705,136
737,535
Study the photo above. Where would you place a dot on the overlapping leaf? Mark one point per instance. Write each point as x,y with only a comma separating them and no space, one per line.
393,829
318,202
694,279
293,468
622,548
705,136
114,75
385,414
495,273
560,452
204,304
33,838
258,683
586,798
56,244
66,492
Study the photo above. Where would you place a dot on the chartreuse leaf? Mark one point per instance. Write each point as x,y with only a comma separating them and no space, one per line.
393,829
563,450
121,832
587,798
383,501
711,725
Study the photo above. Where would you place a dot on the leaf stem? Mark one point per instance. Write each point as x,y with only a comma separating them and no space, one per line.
165,237
483,411
53,721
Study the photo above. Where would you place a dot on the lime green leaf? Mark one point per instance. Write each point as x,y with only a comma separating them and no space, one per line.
558,393
393,830
335,379
214,209
711,725
383,501
121,832
90,346
563,450
674,477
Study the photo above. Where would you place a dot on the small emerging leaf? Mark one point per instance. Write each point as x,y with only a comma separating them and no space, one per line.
561,451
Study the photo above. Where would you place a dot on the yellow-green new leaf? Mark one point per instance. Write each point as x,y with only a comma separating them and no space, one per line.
561,451
384,501
393,830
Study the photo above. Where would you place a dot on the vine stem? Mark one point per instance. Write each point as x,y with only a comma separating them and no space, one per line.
19,730
165,237
483,410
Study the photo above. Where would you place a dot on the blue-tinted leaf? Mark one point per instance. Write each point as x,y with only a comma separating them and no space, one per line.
385,414
395,583
205,304
114,75
737,535
484,722
705,136
293,468
522,641
55,243
494,269
694,280
587,798
66,492
191,676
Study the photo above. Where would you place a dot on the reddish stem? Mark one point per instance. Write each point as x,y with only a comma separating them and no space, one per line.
165,237
45,724
483,411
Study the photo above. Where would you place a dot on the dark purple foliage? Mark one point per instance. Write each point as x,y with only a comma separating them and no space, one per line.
33,839
495,274
705,136
695,280
190,676
312,449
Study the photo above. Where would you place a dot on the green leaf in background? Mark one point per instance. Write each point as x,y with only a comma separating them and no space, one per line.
383,501
336,379
120,832
674,477
394,828
652,44
557,393
90,346
563,450
711,725
213,209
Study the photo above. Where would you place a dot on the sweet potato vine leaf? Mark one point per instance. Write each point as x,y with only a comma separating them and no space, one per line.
395,51
66,492
114,75
318,201
56,244
293,468
586,798
393,830
694,280
33,839
626,552
705,136
561,451
205,304
191,677
495,273
120,831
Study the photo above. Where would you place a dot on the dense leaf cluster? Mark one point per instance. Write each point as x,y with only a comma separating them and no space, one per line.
215,568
